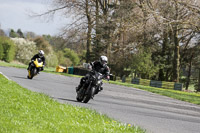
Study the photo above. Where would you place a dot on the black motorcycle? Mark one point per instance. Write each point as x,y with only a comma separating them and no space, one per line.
90,87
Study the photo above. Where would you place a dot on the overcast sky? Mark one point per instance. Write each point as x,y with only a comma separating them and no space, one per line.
14,14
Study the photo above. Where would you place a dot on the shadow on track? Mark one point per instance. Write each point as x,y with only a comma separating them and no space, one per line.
20,77
64,99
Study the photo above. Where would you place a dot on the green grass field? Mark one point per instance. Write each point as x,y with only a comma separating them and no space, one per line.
24,111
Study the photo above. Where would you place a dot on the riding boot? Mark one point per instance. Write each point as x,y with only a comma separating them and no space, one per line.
101,88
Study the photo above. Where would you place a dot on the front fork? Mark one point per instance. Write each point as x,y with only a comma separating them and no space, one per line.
29,73
88,88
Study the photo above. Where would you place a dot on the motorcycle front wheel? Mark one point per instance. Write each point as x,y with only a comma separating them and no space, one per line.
30,75
80,93
89,95
33,72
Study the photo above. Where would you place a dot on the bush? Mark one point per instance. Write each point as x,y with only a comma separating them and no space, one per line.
8,48
42,44
72,56
1,51
25,50
51,60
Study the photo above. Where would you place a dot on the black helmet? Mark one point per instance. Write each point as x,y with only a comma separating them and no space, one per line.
103,60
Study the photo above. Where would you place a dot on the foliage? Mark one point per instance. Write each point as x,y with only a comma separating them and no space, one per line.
58,43
196,87
51,60
1,51
30,35
25,49
68,53
2,33
13,34
8,49
82,56
62,60
24,110
20,33
142,63
114,28
42,44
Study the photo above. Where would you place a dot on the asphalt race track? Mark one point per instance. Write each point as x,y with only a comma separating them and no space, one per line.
155,113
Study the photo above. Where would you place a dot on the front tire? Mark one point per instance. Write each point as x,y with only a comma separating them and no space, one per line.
88,96
79,96
29,74
78,99
33,73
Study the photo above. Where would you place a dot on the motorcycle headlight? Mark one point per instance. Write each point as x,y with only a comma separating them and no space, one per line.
99,82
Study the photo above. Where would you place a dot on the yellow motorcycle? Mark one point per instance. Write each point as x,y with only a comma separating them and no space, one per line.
35,67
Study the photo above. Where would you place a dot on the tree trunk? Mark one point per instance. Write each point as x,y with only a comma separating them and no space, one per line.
98,36
189,74
144,22
199,80
88,32
164,46
176,61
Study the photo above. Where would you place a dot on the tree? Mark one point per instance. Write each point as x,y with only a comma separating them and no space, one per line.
1,51
42,44
142,63
2,33
197,66
57,42
61,59
70,54
13,34
122,30
180,17
8,49
20,33
25,49
51,60
30,35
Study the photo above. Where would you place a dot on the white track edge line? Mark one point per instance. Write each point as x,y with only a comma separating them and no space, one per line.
4,75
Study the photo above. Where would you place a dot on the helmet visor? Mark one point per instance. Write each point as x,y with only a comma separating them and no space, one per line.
40,54
104,62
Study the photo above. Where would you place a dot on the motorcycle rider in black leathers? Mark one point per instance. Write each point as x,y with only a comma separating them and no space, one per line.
39,55
99,66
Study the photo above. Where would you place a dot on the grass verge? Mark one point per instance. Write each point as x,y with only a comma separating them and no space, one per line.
25,111
12,64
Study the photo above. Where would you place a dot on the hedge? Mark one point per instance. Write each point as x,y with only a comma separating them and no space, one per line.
8,48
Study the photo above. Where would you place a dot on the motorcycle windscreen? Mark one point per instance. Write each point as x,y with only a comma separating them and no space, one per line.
38,62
